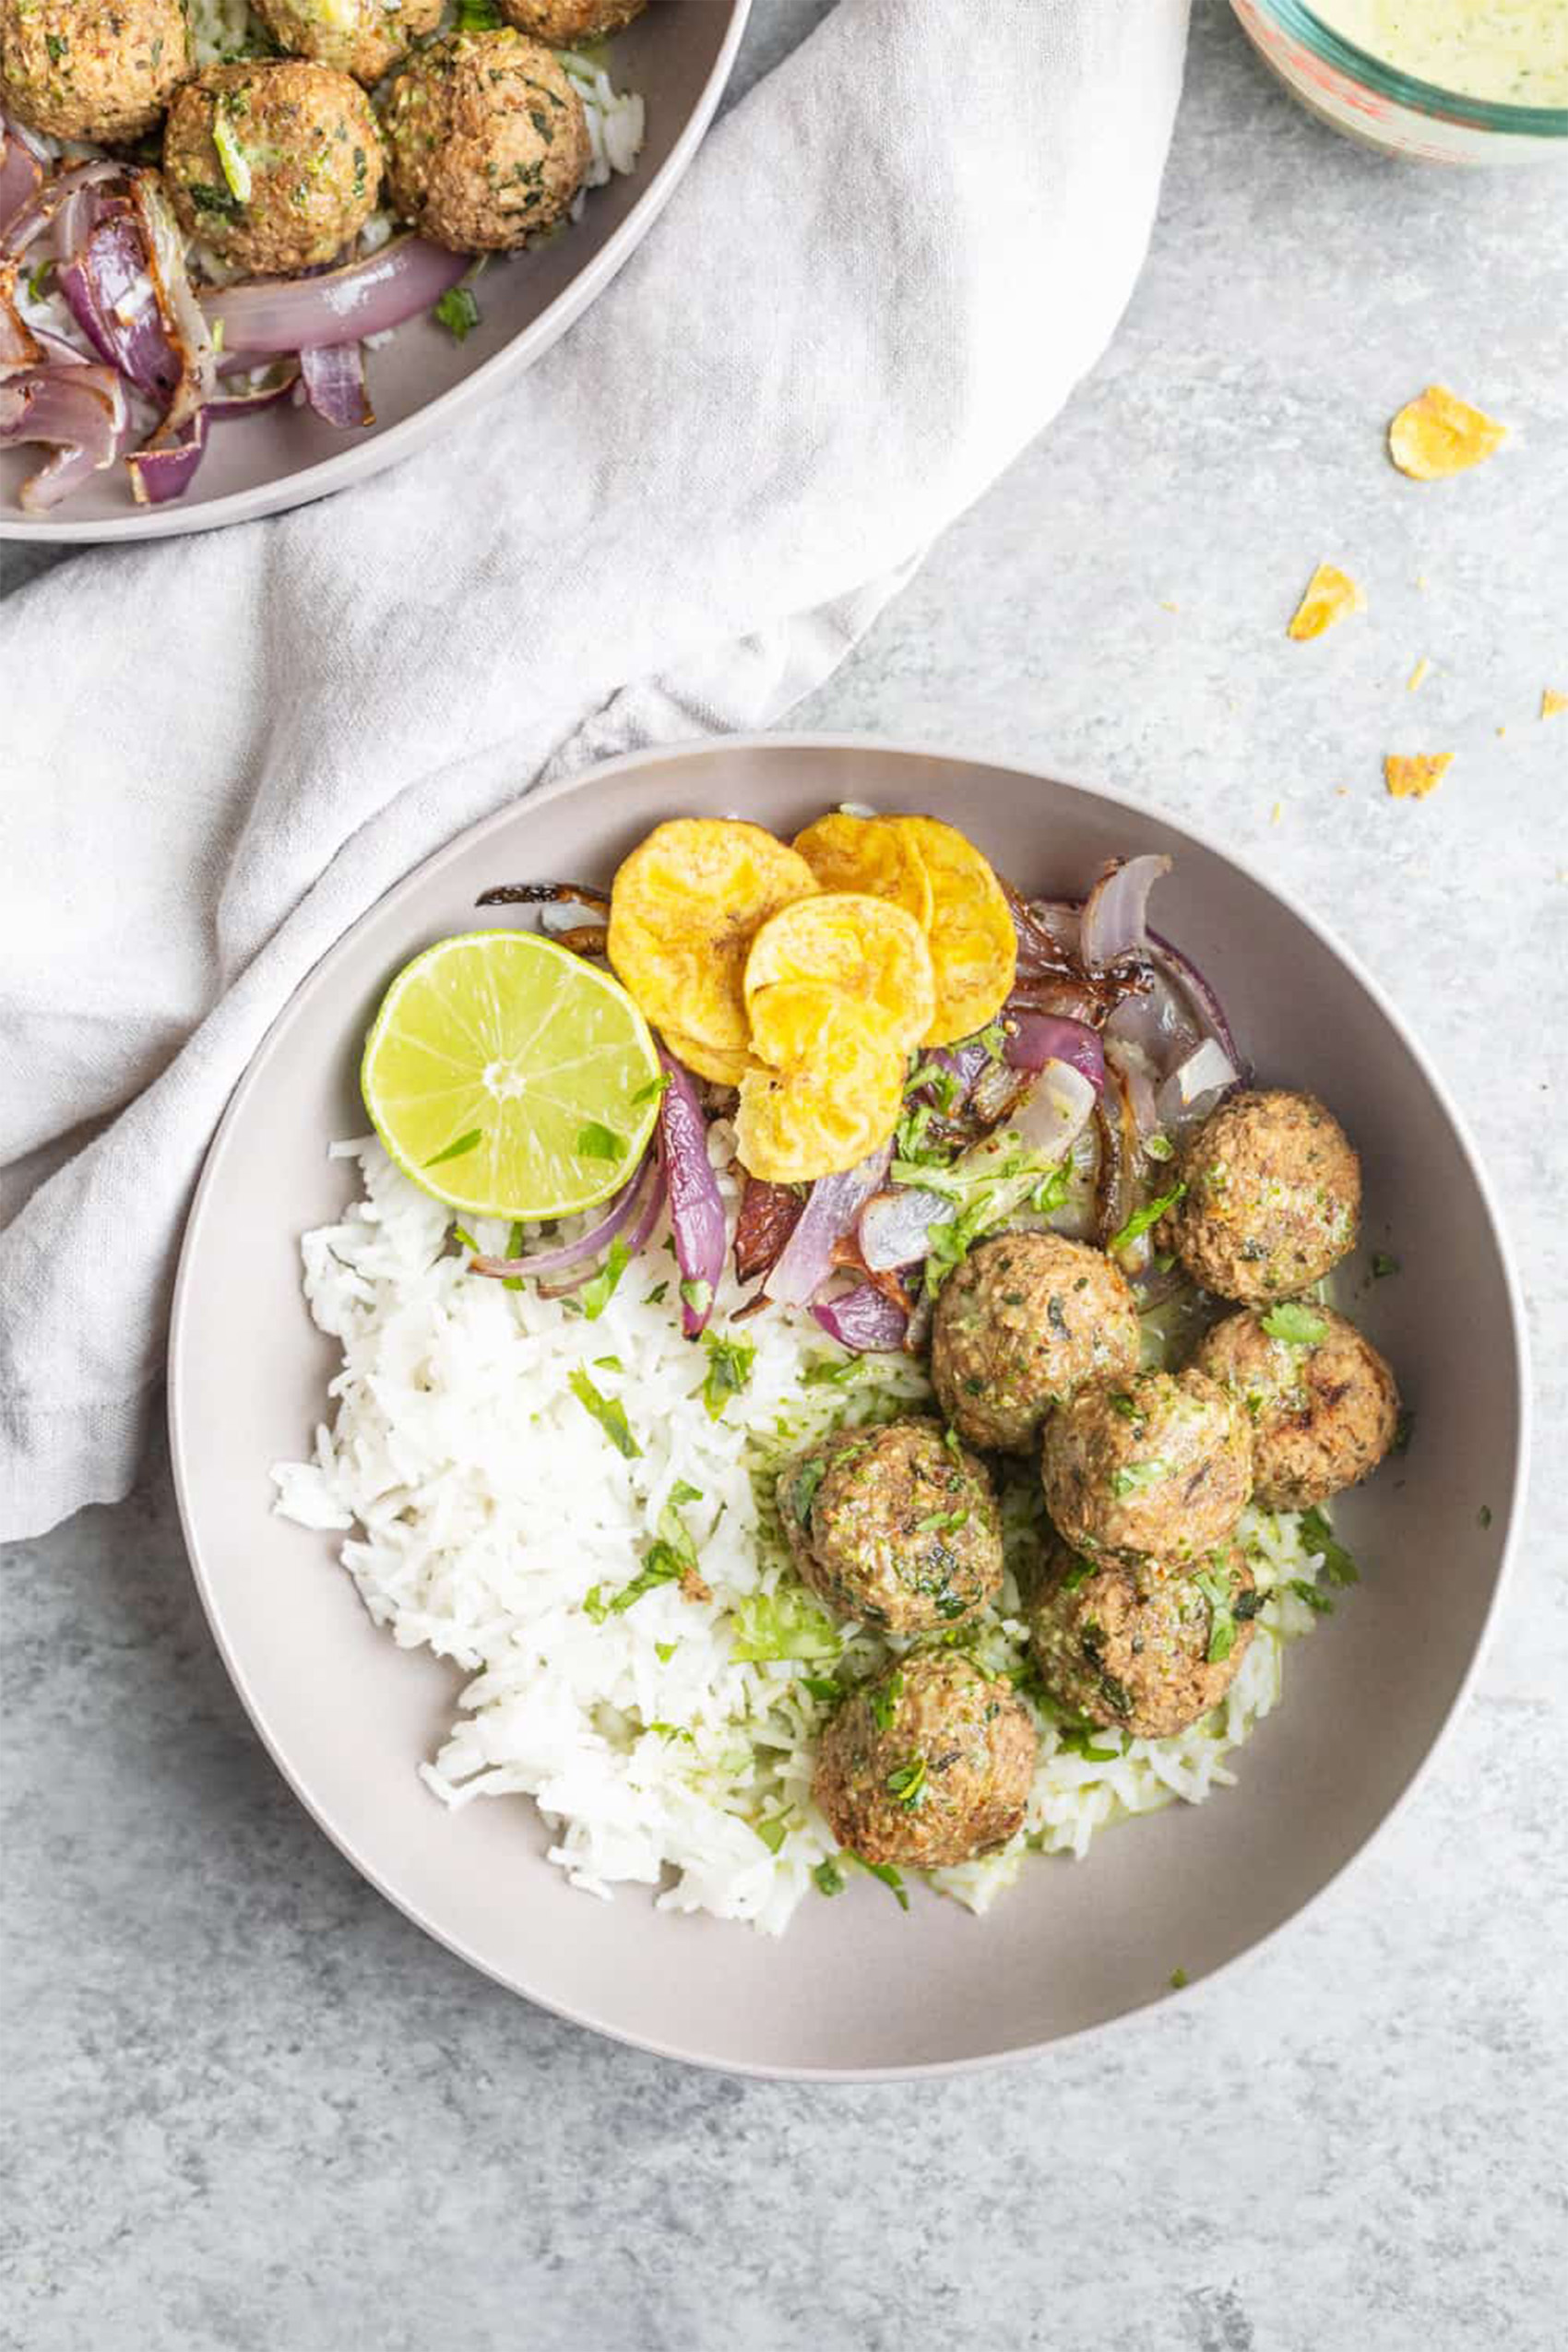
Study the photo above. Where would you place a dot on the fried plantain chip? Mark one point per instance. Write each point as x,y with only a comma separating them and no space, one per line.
683,913
869,947
1411,776
1329,595
1440,435
725,1064
835,1091
870,854
973,948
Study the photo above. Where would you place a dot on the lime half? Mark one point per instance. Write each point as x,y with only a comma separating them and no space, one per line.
508,1077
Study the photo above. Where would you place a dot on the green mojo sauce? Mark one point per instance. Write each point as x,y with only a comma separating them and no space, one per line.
1512,50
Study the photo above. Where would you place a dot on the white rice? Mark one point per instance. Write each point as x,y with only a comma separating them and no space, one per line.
483,1506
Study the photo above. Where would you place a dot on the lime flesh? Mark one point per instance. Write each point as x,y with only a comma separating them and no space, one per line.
509,1077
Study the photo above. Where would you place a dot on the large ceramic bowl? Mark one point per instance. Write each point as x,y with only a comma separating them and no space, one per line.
856,1988
678,56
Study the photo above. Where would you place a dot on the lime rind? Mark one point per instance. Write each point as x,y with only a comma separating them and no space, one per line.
493,1056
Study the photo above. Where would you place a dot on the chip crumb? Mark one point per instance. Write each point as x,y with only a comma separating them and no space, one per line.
1342,792
1411,776
1503,730
1440,435
1166,605
1551,702
1277,813
1416,674
1330,594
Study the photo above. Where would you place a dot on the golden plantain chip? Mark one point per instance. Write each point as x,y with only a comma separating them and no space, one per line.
869,854
834,1093
1411,775
682,912
726,1066
1440,435
973,948
1328,596
867,946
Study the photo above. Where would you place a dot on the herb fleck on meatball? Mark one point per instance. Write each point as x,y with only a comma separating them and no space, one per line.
1273,1197
487,138
561,24
928,1766
1139,1643
1020,1326
895,1527
364,38
1163,1465
1322,1402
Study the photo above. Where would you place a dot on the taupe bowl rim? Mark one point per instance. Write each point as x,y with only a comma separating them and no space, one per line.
363,459
1137,812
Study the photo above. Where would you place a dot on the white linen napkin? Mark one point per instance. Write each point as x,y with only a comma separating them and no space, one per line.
884,274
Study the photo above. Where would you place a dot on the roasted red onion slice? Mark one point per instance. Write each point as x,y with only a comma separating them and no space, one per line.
183,320
697,1206
863,1320
1115,917
831,1210
23,227
116,301
334,385
1055,1110
20,347
895,1227
363,298
1210,1009
80,410
165,467
21,175
653,1198
279,386
1035,1038
1191,1091
569,1254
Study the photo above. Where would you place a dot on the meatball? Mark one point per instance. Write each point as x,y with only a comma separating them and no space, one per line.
1324,1405
487,139
929,1765
359,37
1163,1465
274,166
1139,1643
1020,1326
1272,1198
560,23
892,1527
92,70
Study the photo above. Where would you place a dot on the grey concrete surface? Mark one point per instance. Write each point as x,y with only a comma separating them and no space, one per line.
250,2107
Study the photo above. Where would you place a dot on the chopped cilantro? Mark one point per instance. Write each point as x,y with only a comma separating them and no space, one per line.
1077,1738
1318,1536
948,1522
1404,1430
783,1624
993,1036
1304,1589
1160,1147
828,1877
1078,1573
822,1686
608,1411
1215,1585
730,1365
478,15
681,1492
458,1151
1383,1263
884,1700
514,1250
698,1296
460,1233
665,1651
907,1783
658,1295
772,1832
1484,1516
892,1878
1179,1979
804,1480
1143,1219
596,1141
595,1605
824,1369
653,1087
1295,1324
231,157
457,312
1133,1477
595,1296
609,1363
1120,1402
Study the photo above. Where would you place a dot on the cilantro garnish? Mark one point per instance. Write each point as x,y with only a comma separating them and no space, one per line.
730,1365
464,1144
596,1141
784,1624
829,1878
892,1878
1215,1585
1143,1219
884,1700
1295,1324
595,1295
1383,1263
1304,1589
772,1832
608,1411
1318,1536
907,1783
457,312
653,1087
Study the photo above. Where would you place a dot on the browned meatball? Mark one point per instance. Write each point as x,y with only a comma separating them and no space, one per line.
928,1766
1020,1326
487,139
1272,1198
1163,1465
562,23
1322,1402
277,166
1140,1643
92,70
893,1526
364,38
